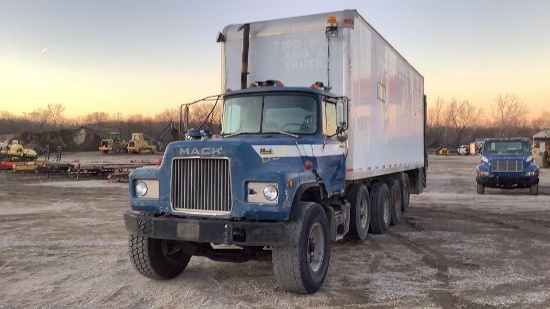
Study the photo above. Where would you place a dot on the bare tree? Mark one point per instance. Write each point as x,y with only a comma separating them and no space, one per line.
508,112
55,113
38,117
542,122
97,118
463,116
205,116
437,122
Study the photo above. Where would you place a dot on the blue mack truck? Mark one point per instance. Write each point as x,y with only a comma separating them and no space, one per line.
294,167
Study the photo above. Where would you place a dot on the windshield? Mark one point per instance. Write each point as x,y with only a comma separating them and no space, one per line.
507,147
272,113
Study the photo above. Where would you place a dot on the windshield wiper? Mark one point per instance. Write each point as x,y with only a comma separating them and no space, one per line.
284,133
233,134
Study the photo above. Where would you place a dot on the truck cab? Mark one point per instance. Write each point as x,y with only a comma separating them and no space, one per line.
507,163
280,157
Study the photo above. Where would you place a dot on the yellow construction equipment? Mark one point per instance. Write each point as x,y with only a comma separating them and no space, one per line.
138,144
442,151
14,151
113,143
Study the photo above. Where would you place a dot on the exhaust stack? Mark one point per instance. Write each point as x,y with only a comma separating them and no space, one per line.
246,40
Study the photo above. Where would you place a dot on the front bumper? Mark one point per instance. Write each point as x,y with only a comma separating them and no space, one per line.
240,233
507,182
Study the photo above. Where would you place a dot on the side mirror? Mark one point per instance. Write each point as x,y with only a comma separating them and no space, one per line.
342,113
342,137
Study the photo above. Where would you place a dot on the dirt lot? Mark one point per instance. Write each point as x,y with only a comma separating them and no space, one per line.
63,245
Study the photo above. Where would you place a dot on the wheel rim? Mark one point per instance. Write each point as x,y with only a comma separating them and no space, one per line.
315,247
169,249
363,212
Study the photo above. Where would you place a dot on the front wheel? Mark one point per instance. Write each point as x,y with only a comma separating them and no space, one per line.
156,258
480,188
534,189
301,265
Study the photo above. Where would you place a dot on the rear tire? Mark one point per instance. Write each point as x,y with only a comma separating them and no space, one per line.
395,202
381,212
301,265
480,188
405,191
359,199
534,189
159,259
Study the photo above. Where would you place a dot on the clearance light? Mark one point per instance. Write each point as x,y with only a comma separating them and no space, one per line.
159,162
308,165
266,83
317,85
227,90
348,21
332,28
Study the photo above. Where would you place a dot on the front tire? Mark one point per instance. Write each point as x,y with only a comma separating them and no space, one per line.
301,265
359,199
480,188
381,213
159,259
534,189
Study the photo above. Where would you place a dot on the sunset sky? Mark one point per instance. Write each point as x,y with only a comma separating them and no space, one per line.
145,56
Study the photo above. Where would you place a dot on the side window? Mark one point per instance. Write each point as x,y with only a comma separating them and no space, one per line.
329,116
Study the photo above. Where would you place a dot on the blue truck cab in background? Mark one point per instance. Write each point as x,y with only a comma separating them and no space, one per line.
507,163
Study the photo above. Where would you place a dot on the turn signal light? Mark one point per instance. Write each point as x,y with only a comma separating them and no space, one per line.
308,165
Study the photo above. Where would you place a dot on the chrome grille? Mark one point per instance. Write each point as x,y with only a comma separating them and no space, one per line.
201,185
507,166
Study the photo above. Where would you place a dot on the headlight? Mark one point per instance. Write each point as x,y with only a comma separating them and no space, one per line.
482,173
533,173
529,159
147,188
141,188
271,192
484,159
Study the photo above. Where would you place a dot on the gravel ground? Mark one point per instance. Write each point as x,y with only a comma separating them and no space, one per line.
64,245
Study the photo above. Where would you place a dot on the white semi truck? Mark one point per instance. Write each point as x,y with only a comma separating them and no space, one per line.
322,138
